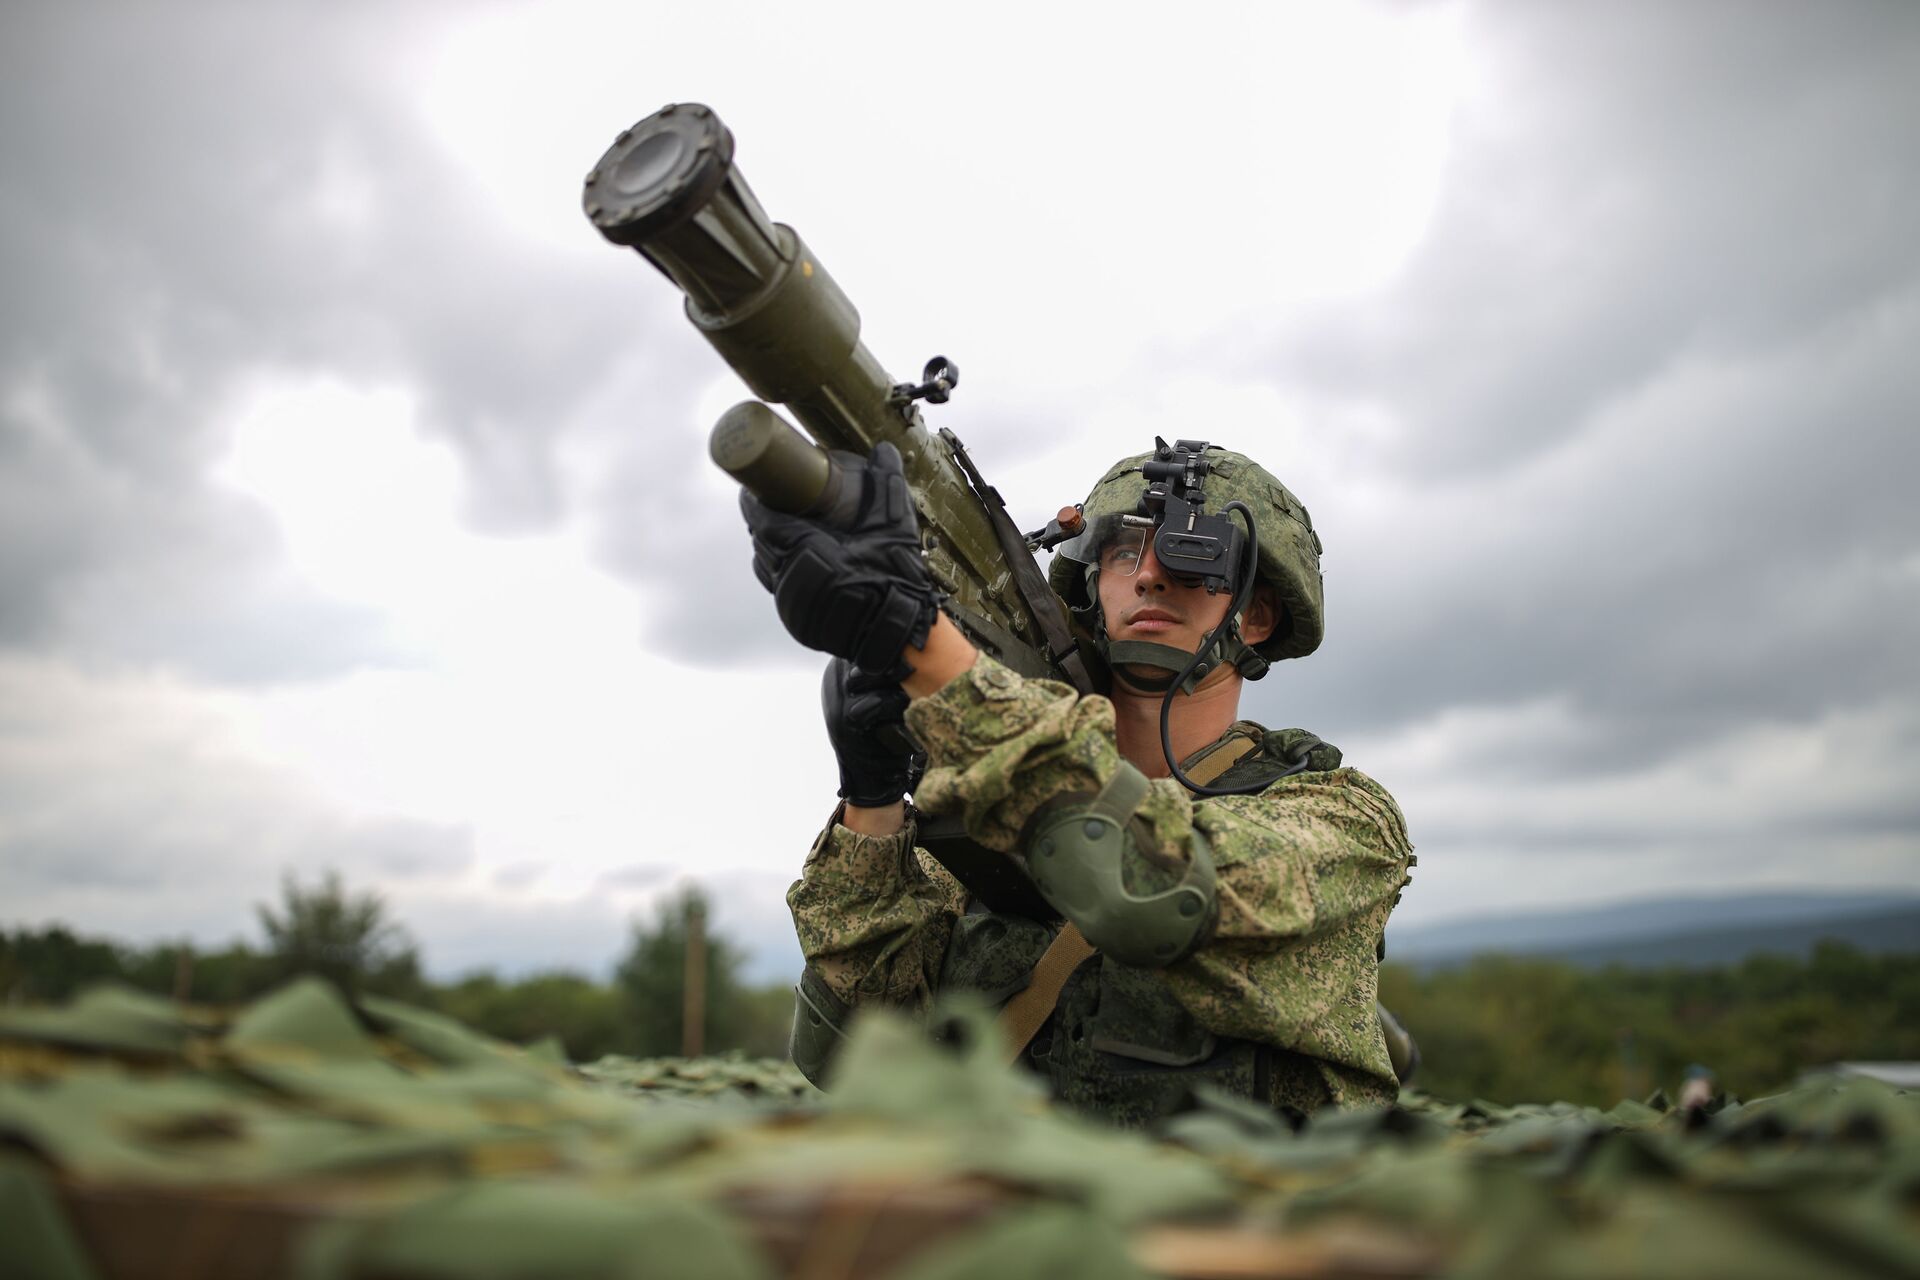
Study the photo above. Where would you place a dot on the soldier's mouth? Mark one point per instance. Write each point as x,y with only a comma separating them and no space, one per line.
1151,620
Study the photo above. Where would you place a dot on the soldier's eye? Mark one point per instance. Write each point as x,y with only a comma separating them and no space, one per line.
1121,553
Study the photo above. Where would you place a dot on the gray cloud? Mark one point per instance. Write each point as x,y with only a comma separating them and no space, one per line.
127,810
198,195
128,787
519,875
1730,548
1827,802
673,530
402,848
1629,189
589,932
638,875
1647,380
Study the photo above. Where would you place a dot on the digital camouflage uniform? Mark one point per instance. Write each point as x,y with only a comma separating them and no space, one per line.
1278,1005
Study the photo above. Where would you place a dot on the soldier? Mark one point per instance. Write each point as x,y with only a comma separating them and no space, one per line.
1220,921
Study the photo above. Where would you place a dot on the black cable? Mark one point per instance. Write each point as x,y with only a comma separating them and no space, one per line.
1242,594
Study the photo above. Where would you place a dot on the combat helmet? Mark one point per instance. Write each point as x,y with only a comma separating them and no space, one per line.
1288,558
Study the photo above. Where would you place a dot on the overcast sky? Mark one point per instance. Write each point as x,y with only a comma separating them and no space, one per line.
354,509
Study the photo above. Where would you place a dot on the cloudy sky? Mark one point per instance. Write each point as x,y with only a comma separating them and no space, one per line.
354,509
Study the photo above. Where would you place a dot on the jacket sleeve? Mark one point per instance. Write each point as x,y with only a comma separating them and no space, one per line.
1309,871
1000,747
874,915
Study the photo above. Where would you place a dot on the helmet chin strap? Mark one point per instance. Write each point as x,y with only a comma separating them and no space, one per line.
1121,655
1124,657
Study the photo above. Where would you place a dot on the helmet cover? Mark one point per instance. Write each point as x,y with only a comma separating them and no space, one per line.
1289,559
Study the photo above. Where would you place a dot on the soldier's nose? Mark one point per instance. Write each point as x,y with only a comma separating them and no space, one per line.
1149,573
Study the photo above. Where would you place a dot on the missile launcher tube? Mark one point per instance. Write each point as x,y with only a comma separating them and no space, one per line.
669,190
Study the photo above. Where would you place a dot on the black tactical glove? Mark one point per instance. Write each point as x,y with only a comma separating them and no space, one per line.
866,722
857,590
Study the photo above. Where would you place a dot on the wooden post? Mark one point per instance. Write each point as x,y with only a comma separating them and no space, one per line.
183,972
693,1012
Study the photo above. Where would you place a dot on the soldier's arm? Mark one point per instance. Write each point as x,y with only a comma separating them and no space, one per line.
947,654
1293,868
1309,871
873,915
1000,746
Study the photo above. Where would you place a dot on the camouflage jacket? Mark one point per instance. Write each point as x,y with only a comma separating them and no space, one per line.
1309,869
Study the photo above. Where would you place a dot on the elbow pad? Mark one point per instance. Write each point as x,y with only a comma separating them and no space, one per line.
1077,857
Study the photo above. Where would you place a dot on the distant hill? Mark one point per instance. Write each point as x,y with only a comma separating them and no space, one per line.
1658,932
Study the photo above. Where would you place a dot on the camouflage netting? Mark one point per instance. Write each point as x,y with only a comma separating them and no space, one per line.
310,1137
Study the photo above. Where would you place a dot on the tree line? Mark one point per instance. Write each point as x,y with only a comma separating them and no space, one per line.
1513,1029
351,939
1506,1029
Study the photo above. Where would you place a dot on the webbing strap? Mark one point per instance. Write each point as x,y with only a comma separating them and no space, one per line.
1022,1017
1042,605
1222,758
1122,794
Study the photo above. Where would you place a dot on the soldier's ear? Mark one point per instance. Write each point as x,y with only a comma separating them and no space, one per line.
1262,616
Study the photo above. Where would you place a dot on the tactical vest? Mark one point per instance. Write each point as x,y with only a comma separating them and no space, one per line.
1118,1044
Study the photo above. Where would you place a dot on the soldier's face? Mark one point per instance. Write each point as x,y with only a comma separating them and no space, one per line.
1148,604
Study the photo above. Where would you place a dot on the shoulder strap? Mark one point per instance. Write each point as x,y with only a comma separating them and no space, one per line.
1042,605
1022,1016
1221,757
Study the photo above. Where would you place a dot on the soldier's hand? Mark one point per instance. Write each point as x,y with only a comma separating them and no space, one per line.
858,590
865,714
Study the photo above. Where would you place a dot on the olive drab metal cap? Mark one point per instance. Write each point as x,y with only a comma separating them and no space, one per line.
1289,547
658,173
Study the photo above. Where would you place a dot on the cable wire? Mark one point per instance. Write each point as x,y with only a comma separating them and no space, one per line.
1242,594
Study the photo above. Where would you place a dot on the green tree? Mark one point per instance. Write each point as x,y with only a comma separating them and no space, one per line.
1517,1029
590,1018
652,979
229,975
346,938
53,963
769,1021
